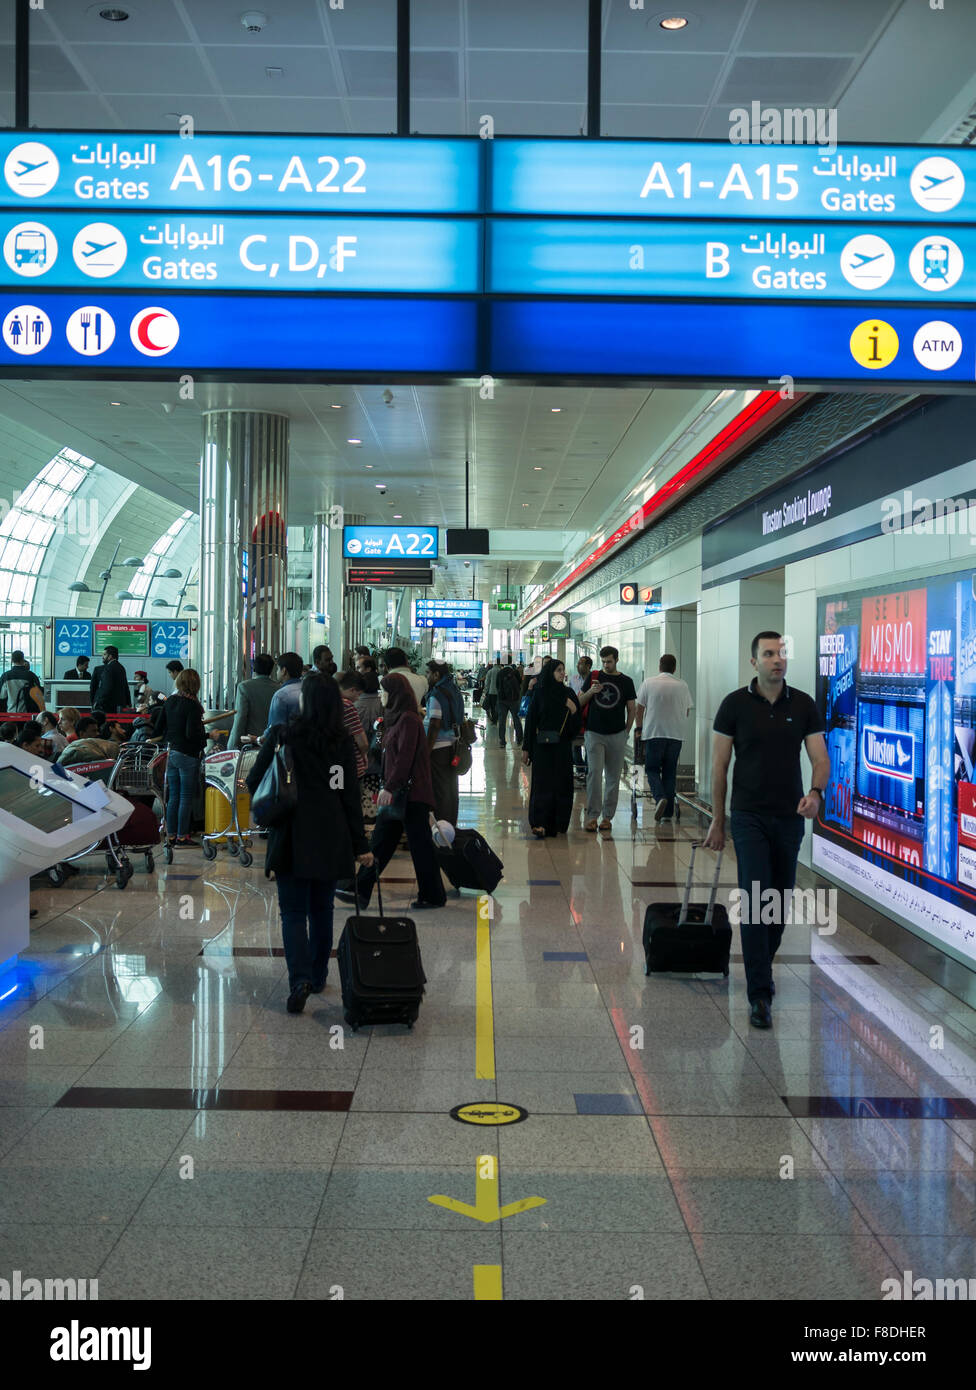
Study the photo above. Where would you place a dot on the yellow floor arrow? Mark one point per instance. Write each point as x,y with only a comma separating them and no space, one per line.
486,1207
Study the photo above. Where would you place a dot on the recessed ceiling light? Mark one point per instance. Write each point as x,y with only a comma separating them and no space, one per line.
381,485
354,441
397,516
370,465
336,407
113,15
556,409
537,468
674,23
115,402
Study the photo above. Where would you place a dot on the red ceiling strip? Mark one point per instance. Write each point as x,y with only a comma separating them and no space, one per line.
753,420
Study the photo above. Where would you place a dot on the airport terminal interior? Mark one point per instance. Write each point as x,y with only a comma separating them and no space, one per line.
489,334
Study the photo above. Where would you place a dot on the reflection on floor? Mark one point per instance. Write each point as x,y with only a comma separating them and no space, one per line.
167,1128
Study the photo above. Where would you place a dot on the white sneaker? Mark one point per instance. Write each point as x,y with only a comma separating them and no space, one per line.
660,808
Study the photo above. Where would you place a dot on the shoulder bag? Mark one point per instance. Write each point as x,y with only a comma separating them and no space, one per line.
276,796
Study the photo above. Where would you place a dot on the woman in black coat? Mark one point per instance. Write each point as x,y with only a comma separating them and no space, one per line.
551,725
322,841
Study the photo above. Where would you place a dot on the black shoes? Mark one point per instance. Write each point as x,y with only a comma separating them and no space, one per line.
317,989
298,996
761,1015
420,904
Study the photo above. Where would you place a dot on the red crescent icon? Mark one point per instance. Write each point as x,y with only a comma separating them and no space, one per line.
143,331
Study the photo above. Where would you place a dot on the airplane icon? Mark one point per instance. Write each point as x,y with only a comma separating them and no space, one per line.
931,182
24,168
97,246
860,259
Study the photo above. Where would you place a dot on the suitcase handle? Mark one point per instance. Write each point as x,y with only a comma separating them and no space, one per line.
379,892
695,846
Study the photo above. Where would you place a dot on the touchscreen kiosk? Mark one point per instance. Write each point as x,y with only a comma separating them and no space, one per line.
47,814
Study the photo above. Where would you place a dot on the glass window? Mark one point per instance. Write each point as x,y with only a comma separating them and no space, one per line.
28,528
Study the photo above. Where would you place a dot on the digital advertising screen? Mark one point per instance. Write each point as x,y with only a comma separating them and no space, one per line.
896,685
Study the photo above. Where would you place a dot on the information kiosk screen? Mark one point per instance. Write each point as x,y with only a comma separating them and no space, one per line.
43,807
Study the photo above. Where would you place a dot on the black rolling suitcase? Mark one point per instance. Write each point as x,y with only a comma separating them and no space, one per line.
688,937
471,863
380,970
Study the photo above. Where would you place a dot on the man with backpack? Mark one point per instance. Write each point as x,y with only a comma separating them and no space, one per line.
20,687
508,689
443,718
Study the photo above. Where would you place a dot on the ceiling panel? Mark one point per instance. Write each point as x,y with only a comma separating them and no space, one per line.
78,21
306,72
829,26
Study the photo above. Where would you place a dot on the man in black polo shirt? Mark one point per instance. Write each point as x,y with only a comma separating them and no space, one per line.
611,703
766,723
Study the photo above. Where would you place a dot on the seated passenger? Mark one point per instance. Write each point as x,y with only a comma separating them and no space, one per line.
89,747
31,740
51,734
9,731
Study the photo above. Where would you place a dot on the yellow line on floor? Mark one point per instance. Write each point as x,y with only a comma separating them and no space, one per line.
484,1047
487,1282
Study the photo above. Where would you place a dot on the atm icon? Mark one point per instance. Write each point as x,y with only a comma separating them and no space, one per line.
890,752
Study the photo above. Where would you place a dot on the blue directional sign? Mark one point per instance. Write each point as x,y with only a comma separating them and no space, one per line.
272,173
331,254
890,752
170,638
662,257
884,183
238,332
458,608
72,637
732,342
408,543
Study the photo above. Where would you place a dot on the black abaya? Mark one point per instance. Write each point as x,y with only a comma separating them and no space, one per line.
552,791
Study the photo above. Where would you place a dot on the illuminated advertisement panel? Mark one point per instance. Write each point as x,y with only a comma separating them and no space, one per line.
896,685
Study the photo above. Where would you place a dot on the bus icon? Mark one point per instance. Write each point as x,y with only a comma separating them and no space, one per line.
30,248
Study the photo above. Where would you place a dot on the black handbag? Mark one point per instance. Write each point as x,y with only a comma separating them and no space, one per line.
276,796
397,808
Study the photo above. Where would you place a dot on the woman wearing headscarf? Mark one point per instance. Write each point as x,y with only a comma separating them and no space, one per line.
407,788
551,724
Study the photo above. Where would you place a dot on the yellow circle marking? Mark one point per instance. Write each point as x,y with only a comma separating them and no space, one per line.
488,1112
874,344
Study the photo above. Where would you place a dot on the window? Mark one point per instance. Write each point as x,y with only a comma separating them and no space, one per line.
28,528
141,579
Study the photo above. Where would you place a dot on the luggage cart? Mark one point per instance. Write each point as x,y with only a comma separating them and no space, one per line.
133,776
225,775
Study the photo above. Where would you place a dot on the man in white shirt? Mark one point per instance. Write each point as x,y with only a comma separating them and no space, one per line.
663,705
394,663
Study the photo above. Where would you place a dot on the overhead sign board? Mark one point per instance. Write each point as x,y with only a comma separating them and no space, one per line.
750,260
733,342
506,605
237,332
171,638
72,637
415,544
383,576
666,178
274,173
131,639
139,250
459,614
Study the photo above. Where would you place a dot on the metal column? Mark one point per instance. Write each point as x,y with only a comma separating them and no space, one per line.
243,546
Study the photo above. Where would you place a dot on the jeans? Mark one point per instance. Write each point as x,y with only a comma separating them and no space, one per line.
605,761
383,843
766,848
661,766
504,710
306,928
182,780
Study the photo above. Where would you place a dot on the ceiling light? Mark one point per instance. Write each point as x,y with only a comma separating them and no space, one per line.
336,407
380,485
370,465
397,516
354,441
556,409
675,23
537,468
113,15
115,402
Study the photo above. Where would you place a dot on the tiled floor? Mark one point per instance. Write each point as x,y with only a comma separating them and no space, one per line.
209,1144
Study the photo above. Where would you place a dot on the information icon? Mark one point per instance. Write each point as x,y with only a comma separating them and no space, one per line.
874,344
31,169
937,183
937,346
30,249
90,330
99,250
27,330
936,263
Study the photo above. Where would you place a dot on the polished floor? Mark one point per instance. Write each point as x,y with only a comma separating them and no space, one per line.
167,1128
